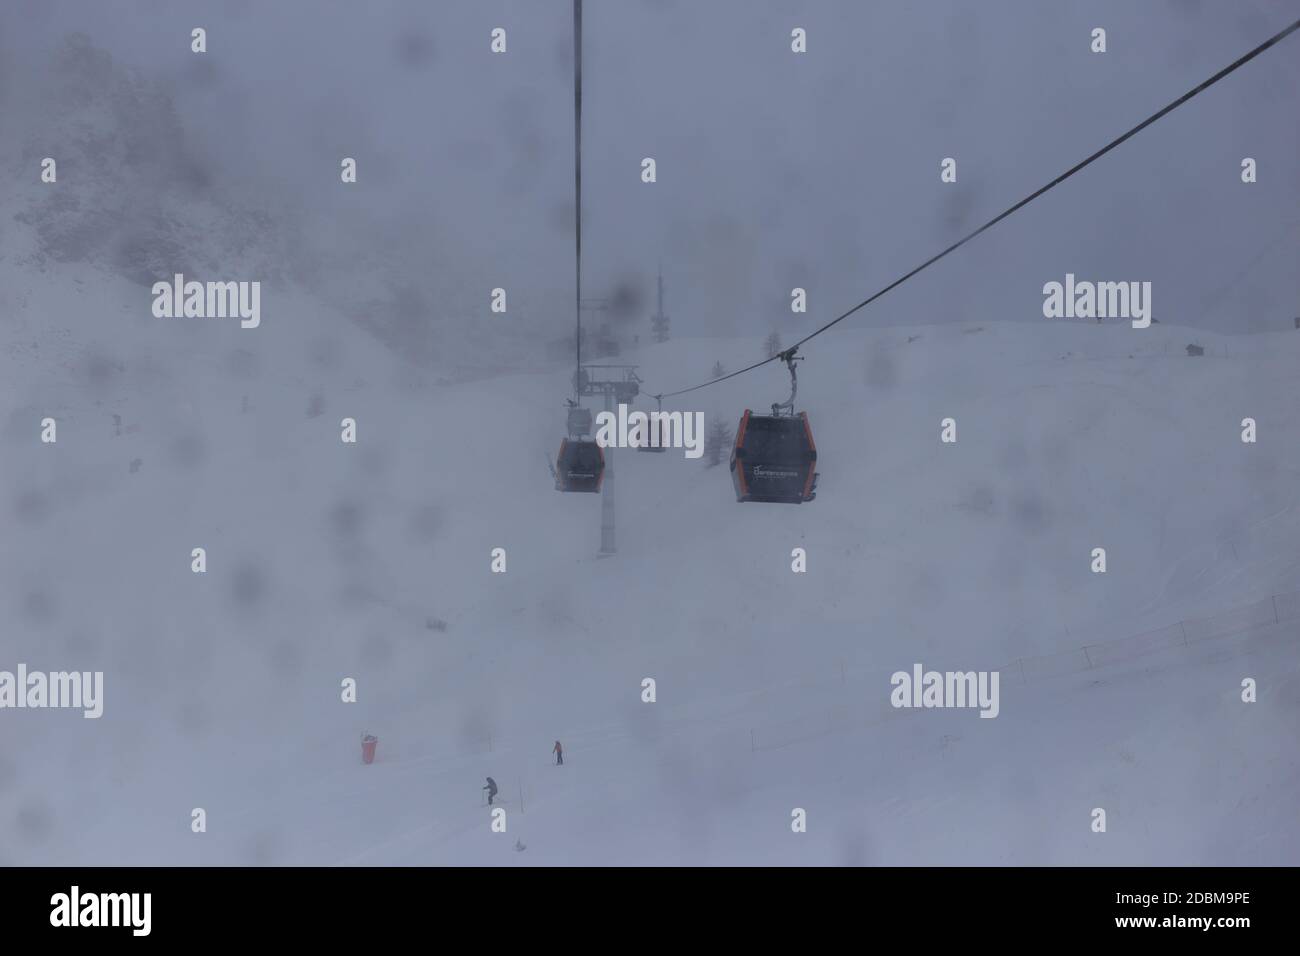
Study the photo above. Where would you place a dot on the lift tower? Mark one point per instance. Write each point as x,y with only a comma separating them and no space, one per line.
618,384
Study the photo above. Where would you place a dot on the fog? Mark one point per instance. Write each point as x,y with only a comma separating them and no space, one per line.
327,560
774,170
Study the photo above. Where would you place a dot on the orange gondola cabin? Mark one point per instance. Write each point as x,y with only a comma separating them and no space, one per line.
774,459
580,466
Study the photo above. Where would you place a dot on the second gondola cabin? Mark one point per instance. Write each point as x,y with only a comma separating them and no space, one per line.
774,459
580,466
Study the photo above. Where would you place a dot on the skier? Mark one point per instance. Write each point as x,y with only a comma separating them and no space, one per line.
491,788
559,754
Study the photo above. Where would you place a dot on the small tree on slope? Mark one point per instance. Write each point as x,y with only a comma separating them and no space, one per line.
717,442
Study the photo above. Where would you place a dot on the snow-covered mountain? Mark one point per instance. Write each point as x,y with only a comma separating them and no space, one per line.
136,197
372,561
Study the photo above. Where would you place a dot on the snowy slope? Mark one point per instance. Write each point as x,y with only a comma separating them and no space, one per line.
372,561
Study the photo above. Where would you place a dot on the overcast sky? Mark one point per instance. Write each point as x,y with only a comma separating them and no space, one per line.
775,170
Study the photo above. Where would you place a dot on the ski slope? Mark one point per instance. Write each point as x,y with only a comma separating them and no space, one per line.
371,561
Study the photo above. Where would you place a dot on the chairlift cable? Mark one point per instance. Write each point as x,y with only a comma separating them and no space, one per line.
1200,88
577,196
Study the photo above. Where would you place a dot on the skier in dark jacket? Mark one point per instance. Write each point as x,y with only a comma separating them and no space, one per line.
559,754
491,788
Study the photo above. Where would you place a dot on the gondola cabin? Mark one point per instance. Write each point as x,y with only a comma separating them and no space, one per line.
579,420
580,466
774,459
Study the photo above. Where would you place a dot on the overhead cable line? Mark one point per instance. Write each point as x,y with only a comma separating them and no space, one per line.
577,196
1200,88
